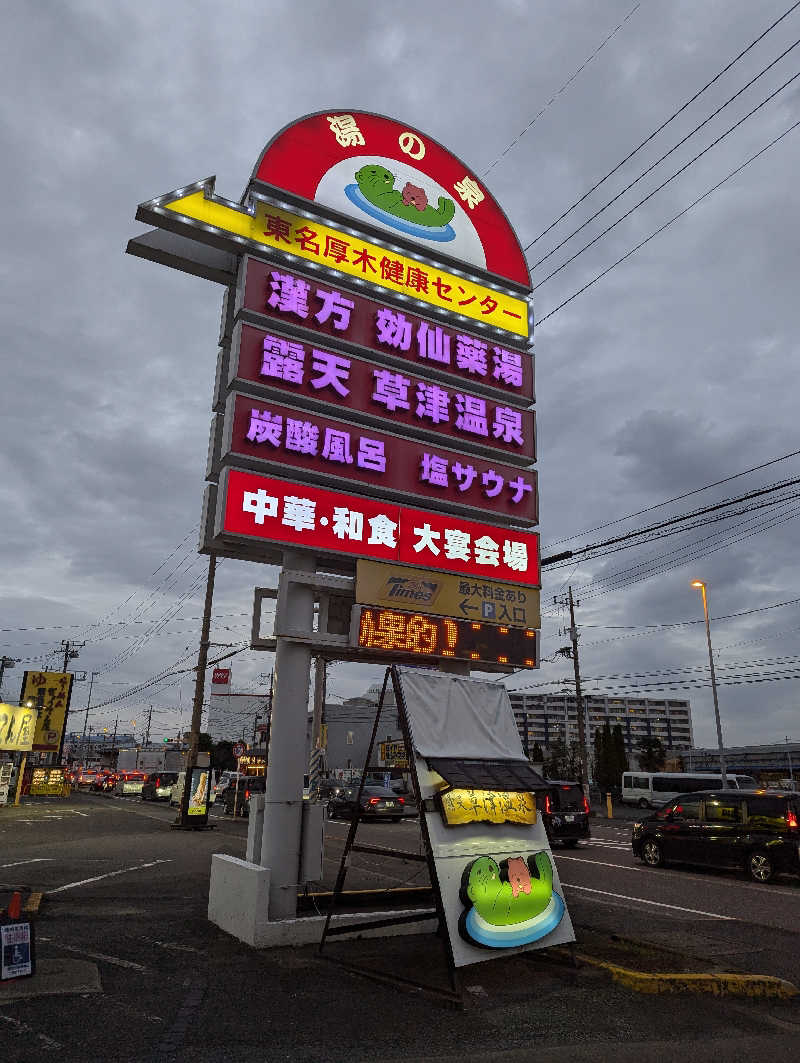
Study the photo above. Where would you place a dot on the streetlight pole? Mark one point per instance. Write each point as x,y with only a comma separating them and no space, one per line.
722,765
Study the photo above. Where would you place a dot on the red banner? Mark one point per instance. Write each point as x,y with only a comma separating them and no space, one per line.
329,522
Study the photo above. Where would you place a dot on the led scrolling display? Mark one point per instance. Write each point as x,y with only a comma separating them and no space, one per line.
390,631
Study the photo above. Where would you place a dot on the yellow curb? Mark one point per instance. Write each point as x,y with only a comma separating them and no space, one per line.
33,902
719,984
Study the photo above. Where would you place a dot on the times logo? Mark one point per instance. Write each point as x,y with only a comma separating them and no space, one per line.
404,589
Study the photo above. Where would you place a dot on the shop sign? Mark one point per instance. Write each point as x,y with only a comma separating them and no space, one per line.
395,633
268,227
17,728
290,438
393,754
291,299
487,806
16,950
50,693
47,782
428,591
304,373
381,173
330,522
198,798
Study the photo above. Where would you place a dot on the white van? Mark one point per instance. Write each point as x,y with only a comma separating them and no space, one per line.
651,789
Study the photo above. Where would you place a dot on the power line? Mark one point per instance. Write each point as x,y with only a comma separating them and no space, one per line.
669,501
566,85
667,224
669,180
663,126
658,162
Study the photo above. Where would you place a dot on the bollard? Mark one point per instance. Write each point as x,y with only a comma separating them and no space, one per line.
609,809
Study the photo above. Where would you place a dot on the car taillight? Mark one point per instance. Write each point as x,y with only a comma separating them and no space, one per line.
374,801
585,805
547,805
791,819
247,795
401,800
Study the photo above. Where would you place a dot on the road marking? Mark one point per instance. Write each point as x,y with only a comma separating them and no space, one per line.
97,955
22,1027
33,860
597,863
656,904
109,874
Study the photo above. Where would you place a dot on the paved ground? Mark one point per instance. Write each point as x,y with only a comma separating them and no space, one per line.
128,896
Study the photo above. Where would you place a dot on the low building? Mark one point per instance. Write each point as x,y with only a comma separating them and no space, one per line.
774,760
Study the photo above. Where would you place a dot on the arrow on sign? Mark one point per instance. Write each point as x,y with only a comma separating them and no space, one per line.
465,605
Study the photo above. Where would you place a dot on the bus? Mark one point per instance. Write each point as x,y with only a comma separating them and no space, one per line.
651,789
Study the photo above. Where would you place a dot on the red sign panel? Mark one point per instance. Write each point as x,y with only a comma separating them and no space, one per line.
378,171
385,394
288,436
221,675
313,304
259,507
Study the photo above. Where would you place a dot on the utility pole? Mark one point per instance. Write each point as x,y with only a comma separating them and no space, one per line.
86,716
271,678
5,662
70,651
183,820
147,729
573,634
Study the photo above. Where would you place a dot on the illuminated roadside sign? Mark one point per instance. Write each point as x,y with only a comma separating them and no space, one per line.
264,226
291,438
267,362
302,301
258,507
379,173
17,728
49,693
428,591
390,631
486,806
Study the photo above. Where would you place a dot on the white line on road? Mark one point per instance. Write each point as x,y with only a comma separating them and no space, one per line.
33,860
657,904
109,874
96,955
597,863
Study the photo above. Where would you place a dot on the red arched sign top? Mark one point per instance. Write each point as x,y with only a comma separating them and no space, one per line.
390,176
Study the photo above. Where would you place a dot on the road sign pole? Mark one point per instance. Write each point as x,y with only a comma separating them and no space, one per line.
287,755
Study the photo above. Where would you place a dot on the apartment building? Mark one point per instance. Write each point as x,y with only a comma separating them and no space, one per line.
549,718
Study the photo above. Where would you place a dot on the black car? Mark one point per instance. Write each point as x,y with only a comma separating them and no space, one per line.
565,812
752,829
158,786
236,800
377,802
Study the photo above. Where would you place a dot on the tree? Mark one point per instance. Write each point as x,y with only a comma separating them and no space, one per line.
620,758
205,743
652,754
537,756
605,759
222,758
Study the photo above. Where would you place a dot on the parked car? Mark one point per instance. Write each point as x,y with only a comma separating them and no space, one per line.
376,802
129,782
565,813
237,803
225,778
158,786
755,830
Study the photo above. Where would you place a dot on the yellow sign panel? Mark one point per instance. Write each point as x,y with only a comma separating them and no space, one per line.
441,594
17,727
49,694
394,752
487,806
280,230
49,782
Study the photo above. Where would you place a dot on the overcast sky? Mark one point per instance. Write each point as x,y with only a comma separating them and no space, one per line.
675,370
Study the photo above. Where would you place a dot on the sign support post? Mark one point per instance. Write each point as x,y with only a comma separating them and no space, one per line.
287,755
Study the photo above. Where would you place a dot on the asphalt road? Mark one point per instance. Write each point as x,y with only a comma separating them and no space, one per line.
129,895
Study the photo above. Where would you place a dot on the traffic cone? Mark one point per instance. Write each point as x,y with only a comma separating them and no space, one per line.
15,905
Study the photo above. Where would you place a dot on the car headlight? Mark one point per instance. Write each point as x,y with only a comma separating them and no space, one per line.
637,827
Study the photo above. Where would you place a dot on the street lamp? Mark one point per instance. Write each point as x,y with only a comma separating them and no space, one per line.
722,767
